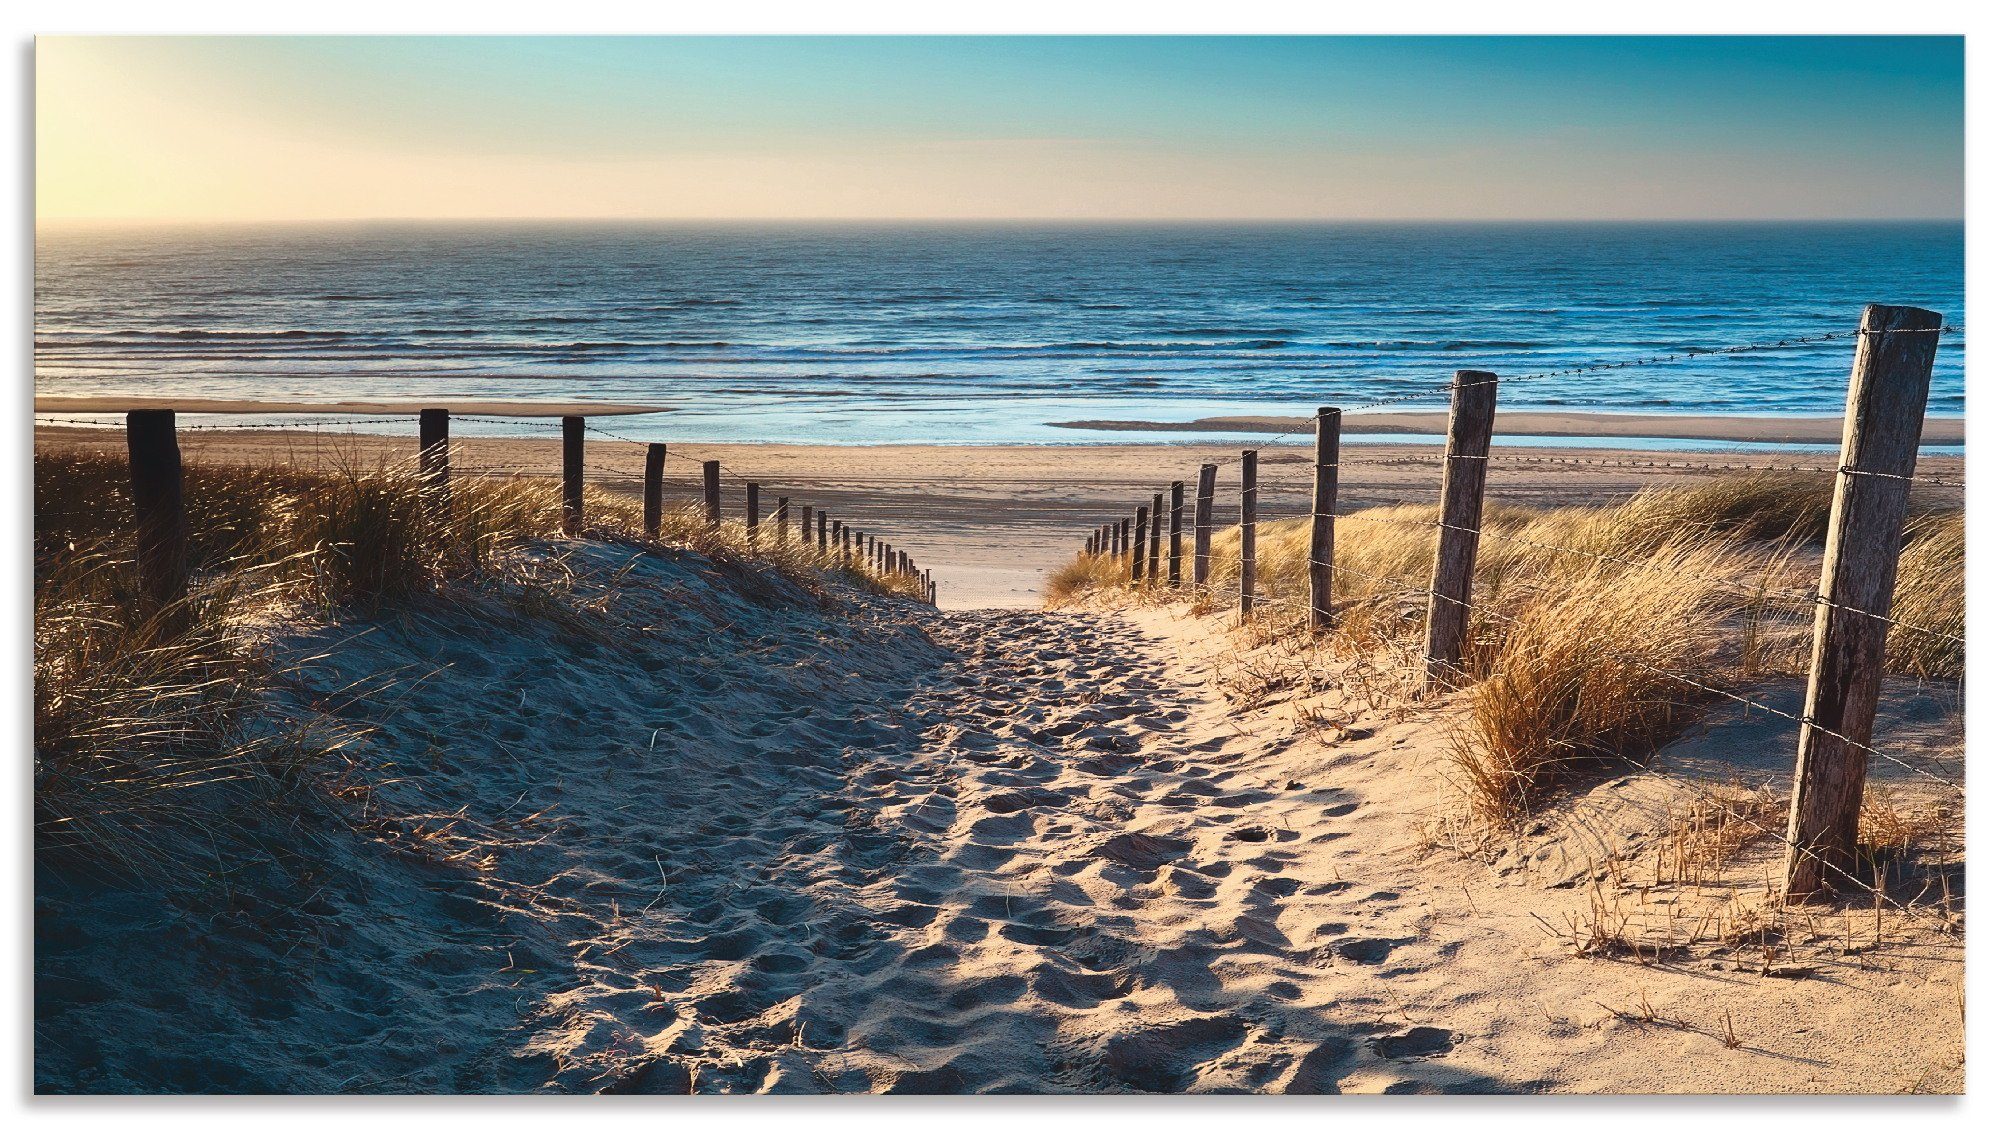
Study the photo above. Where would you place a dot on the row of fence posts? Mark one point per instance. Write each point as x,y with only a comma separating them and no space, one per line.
160,508
1888,389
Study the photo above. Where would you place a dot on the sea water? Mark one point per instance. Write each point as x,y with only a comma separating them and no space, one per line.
988,333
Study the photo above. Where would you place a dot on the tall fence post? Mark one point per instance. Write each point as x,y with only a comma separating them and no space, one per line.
1174,542
711,492
1153,540
1138,544
752,511
434,463
822,532
159,505
805,527
1886,393
656,469
1468,439
1124,536
1246,583
783,516
572,495
1204,515
1326,492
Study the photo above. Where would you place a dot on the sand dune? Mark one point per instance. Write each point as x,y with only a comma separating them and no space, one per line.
688,829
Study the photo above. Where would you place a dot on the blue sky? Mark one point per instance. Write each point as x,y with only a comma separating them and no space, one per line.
1141,127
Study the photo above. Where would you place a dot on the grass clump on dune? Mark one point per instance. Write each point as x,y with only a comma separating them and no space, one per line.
140,714
1594,670
1591,623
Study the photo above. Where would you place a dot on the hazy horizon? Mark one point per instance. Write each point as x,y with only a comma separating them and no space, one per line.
999,129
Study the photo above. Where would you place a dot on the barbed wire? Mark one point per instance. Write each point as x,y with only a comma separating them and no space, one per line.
1306,608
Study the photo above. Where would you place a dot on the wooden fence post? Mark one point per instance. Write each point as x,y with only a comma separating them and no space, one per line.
1204,513
159,505
1886,393
1153,540
783,516
1326,491
806,527
1174,543
711,492
656,469
572,495
751,511
1246,583
822,532
1138,544
1468,439
1124,536
434,463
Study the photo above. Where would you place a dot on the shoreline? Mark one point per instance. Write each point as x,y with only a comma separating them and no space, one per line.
216,406
1944,431
1529,425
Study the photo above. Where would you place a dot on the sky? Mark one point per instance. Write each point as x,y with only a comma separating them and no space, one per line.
1341,128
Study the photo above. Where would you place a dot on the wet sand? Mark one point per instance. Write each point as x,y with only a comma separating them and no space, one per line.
1565,425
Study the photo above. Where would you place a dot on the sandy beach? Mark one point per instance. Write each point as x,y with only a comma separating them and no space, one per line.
992,521
1581,425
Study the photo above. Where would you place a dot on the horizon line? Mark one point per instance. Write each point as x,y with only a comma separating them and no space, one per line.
1104,221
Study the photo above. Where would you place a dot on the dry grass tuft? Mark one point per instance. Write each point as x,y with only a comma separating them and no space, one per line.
141,719
1930,598
1586,617
1590,671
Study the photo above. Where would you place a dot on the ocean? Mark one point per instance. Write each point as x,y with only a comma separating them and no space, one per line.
980,333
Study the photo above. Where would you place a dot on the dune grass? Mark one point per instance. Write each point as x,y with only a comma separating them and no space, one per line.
1594,626
139,713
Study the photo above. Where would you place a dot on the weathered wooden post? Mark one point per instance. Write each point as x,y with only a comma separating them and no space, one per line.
806,527
1174,544
822,532
434,465
1204,513
1468,438
656,469
1153,540
572,495
1886,393
1326,489
1138,544
1246,584
160,507
752,511
783,517
846,542
1124,536
711,492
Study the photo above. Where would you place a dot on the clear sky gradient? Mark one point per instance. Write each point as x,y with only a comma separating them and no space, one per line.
260,129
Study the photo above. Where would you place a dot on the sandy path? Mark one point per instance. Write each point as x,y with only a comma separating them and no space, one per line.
702,832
